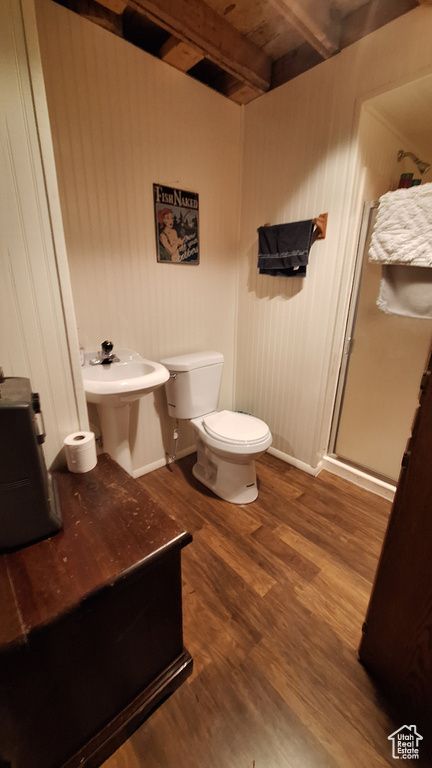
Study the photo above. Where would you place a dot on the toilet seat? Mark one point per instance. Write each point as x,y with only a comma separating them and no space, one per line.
235,428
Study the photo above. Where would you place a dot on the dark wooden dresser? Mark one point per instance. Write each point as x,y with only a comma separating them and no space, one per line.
90,624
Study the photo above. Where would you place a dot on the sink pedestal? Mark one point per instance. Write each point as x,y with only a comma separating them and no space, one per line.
113,387
114,424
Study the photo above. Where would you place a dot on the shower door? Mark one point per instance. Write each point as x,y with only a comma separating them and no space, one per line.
384,358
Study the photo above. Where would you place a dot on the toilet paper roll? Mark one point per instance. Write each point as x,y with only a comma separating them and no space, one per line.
80,449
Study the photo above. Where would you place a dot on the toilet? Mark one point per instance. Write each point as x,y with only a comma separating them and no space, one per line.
228,443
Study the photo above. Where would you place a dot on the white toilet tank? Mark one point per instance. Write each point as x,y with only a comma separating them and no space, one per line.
194,384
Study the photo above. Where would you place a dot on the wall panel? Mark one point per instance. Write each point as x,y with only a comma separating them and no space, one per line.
285,330
300,158
121,121
33,335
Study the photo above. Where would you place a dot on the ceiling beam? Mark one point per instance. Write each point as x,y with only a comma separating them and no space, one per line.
233,89
294,63
106,14
117,6
179,54
196,24
313,21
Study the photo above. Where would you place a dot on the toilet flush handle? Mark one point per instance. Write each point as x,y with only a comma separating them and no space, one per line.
173,375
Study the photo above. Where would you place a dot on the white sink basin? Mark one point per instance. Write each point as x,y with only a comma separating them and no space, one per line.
123,382
113,387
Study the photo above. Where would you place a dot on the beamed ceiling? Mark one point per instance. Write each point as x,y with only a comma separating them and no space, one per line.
242,49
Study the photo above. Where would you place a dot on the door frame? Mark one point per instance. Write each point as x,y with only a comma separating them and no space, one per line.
369,209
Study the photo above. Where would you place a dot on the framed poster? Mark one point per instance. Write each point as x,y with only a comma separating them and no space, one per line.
176,220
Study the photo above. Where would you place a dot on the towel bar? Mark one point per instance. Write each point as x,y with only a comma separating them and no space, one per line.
320,224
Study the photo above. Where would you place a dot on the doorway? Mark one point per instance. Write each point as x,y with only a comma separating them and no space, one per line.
383,361
384,354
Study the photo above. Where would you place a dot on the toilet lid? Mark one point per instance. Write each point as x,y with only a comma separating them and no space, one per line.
233,427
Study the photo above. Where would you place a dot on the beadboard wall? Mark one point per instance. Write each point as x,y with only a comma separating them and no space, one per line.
121,121
285,330
34,296
300,159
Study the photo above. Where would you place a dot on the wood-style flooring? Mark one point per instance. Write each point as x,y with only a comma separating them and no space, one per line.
274,597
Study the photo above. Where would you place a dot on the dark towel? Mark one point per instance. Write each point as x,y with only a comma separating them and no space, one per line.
283,249
288,272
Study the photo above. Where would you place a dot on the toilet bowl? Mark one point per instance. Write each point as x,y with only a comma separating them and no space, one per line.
228,443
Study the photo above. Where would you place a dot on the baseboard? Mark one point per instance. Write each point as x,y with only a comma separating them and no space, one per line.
295,462
356,476
161,462
336,467
187,451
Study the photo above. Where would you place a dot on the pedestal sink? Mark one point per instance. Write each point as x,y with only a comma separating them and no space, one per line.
113,387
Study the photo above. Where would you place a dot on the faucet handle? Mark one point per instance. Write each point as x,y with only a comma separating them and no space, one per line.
107,347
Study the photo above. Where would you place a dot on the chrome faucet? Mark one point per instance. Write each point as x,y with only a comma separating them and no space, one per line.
106,355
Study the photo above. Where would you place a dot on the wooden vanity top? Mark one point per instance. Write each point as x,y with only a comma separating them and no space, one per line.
111,527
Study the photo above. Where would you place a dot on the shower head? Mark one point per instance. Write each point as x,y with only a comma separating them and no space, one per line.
421,165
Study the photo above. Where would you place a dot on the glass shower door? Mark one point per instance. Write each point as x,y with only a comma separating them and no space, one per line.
384,358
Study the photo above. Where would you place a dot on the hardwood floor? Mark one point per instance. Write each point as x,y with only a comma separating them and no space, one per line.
274,597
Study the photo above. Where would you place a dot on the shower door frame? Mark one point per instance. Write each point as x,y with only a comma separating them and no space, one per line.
369,209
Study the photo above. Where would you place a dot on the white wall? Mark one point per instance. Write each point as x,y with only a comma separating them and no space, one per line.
121,121
300,159
34,333
380,140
